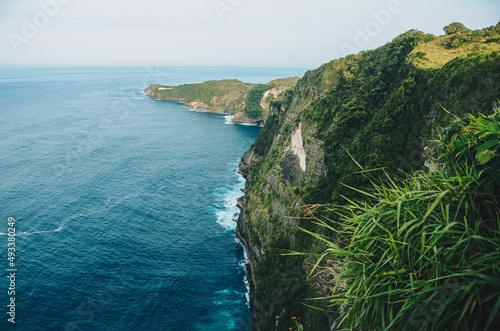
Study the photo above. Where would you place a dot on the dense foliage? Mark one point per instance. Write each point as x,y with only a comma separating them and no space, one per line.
286,299
382,106
424,253
253,108
389,108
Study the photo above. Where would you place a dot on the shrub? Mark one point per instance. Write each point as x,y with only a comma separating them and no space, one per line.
424,253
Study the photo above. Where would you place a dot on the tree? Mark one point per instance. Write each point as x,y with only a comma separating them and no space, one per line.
454,28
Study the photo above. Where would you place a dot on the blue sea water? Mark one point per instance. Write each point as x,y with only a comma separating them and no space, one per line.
123,204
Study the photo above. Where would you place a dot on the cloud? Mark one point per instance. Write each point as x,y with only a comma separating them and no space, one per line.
303,33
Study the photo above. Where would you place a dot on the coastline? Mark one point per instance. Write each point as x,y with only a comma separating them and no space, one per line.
238,118
252,255
241,235
200,107
250,276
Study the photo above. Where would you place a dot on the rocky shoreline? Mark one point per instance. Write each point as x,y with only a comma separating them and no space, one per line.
253,254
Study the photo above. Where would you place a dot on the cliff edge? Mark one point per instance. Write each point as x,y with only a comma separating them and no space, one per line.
381,108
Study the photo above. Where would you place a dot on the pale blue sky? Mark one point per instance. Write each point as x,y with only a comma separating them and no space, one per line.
285,33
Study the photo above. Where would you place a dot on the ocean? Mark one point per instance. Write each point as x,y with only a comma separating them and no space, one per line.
123,206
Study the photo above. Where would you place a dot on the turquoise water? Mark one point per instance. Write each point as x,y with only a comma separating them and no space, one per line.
124,205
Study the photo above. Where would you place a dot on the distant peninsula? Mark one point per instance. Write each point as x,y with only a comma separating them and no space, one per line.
249,103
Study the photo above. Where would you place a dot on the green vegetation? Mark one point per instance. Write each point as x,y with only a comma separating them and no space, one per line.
206,91
455,28
384,106
287,82
459,41
228,95
384,115
253,108
265,138
297,326
291,292
424,253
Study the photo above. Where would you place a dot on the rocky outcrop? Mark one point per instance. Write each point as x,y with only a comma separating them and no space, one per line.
297,147
247,160
203,107
271,94
240,118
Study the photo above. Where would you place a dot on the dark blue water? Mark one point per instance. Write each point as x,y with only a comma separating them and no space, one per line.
123,204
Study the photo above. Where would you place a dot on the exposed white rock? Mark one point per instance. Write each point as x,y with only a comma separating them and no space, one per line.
297,147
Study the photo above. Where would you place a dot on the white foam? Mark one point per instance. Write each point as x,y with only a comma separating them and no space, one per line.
195,110
60,228
225,292
228,119
243,263
226,214
202,111
225,217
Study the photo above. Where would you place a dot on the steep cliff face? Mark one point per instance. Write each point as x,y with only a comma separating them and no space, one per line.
381,108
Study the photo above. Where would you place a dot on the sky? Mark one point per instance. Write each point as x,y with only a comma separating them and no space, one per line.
241,33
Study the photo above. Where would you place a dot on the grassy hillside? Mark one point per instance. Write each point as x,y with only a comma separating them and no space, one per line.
382,108
459,42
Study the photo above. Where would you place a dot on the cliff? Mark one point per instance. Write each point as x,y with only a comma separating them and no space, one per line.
248,102
381,108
